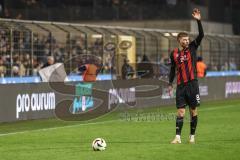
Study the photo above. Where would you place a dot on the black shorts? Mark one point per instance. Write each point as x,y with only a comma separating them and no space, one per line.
188,94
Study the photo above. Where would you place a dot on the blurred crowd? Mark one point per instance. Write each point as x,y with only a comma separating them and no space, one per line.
24,54
21,57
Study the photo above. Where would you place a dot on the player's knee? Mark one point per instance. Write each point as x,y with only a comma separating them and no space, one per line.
181,112
193,112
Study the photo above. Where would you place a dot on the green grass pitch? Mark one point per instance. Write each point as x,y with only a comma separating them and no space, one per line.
130,135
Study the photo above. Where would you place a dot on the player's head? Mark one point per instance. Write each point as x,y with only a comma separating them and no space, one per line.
183,39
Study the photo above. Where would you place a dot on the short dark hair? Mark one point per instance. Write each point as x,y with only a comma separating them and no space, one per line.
182,34
199,59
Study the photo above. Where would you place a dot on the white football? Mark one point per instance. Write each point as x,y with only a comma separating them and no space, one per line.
99,144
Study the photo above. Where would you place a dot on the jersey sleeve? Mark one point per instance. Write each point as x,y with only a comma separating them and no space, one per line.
172,69
200,36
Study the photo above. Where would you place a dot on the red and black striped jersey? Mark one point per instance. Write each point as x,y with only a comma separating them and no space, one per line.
185,61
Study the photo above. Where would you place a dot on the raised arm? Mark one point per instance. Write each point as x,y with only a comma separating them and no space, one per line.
197,15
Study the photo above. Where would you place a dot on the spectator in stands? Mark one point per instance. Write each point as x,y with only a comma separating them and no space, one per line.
225,67
213,67
47,49
36,66
15,65
50,39
107,63
22,69
139,59
201,68
3,42
15,71
232,65
97,47
50,61
59,53
3,68
27,64
145,68
127,70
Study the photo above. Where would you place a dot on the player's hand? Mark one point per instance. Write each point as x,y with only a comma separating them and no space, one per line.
170,90
196,14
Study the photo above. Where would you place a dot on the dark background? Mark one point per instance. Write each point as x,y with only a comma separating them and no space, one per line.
225,11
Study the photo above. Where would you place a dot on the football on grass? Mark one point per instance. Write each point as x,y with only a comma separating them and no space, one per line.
99,144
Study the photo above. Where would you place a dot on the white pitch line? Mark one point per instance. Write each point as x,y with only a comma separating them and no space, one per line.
53,128
104,122
216,108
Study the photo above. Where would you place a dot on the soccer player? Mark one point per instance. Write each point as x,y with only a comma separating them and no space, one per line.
184,60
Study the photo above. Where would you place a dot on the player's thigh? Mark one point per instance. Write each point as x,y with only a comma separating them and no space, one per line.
193,96
180,97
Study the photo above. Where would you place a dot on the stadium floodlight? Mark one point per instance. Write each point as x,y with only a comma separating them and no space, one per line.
174,34
166,34
96,36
